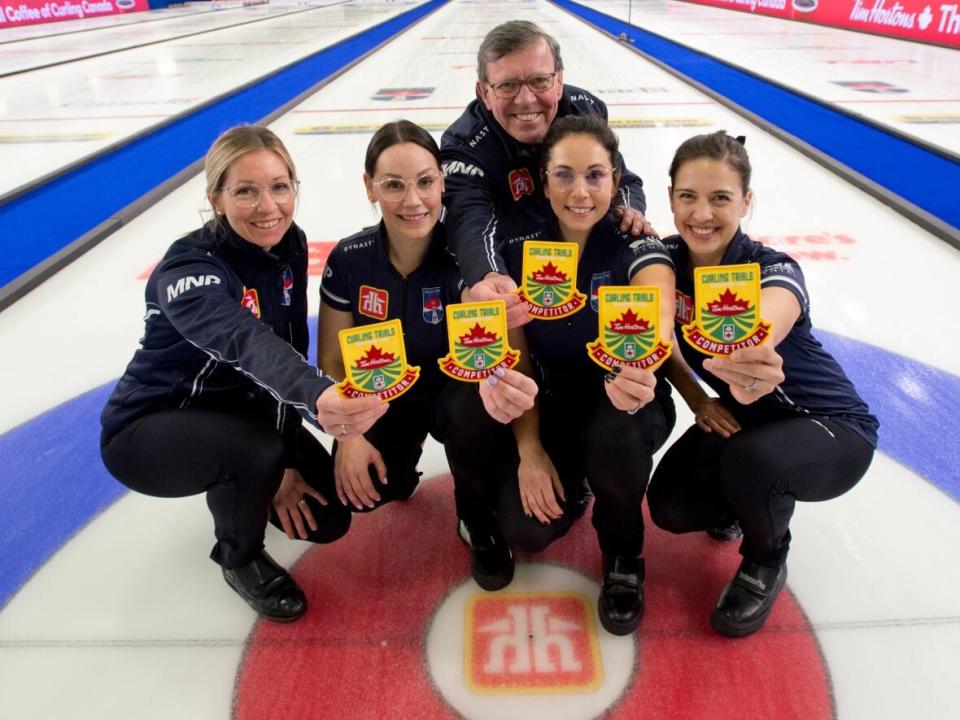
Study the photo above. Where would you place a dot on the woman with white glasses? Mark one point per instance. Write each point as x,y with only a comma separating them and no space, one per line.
211,402
399,269
587,424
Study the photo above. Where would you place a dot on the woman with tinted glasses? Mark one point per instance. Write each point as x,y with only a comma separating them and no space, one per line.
526,485
210,401
786,423
399,269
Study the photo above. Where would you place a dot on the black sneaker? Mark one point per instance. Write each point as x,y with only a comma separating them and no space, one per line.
492,560
268,589
746,602
726,534
620,604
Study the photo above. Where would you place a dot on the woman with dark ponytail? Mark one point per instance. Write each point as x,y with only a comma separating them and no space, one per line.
786,424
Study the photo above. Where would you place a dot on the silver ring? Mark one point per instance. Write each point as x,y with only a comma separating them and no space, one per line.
635,410
751,386
301,501
343,429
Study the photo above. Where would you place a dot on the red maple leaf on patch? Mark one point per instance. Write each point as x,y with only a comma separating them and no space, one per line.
728,304
375,358
549,274
629,324
478,337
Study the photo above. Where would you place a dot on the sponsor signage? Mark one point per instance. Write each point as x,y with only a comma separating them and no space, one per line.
15,13
929,21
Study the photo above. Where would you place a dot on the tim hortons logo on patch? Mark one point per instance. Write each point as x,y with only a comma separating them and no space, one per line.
629,332
549,288
375,361
520,183
531,643
477,338
727,305
251,301
373,302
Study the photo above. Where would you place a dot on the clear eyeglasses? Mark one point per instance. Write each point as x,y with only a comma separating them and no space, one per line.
249,195
511,88
564,178
394,188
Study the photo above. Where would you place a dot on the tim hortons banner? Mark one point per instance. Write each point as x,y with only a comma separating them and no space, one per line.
929,21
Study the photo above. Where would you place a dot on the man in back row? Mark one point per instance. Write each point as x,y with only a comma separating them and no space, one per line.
494,194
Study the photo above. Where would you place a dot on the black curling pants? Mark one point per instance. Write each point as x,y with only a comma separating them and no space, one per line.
399,436
756,476
585,437
237,460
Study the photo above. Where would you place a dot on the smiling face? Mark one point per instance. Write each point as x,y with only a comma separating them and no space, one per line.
708,202
579,207
527,116
414,215
265,224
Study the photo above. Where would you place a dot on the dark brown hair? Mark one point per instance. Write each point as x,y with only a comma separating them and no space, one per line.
395,133
716,146
590,125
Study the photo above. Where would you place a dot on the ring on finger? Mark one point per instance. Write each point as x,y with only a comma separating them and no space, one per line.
343,429
302,502
751,386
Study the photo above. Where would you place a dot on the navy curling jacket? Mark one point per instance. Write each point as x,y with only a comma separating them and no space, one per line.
493,190
225,327
815,383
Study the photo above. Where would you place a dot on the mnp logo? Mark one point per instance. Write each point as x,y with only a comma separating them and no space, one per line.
532,642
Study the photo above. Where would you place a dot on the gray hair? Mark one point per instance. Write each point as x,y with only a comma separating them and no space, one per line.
510,37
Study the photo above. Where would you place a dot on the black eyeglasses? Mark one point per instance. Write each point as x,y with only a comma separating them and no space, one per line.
536,83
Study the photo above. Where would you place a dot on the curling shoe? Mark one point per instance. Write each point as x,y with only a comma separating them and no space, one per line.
746,602
620,604
268,589
727,533
491,558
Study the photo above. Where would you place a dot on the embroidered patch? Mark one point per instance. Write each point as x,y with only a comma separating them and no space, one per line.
629,332
373,302
432,305
520,183
477,336
375,360
597,281
251,301
287,285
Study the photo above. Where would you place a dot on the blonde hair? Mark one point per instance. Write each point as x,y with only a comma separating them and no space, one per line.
235,143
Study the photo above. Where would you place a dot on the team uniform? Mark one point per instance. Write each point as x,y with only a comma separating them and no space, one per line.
212,400
811,439
493,190
582,432
360,279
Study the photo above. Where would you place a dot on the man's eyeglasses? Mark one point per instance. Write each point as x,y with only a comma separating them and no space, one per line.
394,188
249,195
564,178
511,88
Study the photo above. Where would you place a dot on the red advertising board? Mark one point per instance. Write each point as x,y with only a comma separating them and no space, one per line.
14,13
929,21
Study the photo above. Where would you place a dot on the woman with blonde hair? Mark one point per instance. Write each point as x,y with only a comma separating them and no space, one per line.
212,400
